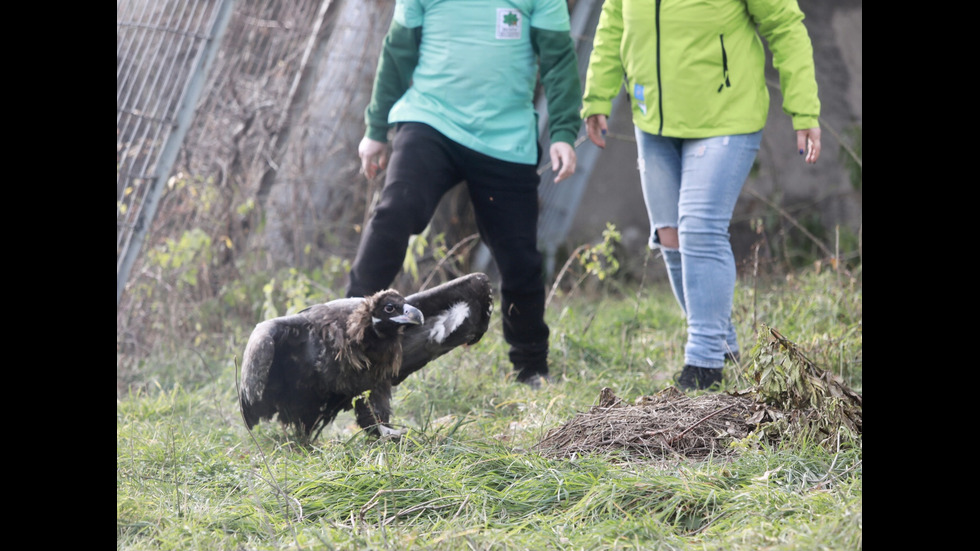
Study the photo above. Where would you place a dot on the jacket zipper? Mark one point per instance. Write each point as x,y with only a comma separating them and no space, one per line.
660,95
724,65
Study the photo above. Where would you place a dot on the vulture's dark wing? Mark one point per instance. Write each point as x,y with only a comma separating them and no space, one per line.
287,362
456,313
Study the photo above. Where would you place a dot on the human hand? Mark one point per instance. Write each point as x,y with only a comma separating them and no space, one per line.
595,125
374,156
808,142
563,157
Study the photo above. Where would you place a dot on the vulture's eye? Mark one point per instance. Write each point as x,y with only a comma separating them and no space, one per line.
389,308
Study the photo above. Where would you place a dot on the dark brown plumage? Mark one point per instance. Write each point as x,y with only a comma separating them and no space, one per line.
307,367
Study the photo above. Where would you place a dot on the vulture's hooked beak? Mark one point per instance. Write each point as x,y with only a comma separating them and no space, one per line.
410,315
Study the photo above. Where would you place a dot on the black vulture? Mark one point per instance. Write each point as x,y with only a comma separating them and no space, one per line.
309,366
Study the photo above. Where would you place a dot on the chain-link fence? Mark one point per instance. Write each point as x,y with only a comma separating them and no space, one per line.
163,54
204,89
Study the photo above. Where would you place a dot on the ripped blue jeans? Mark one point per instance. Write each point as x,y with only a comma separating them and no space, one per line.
692,185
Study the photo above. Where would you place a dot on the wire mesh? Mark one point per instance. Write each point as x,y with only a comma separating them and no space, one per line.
230,140
159,49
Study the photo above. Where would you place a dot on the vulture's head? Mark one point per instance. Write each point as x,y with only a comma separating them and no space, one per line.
386,313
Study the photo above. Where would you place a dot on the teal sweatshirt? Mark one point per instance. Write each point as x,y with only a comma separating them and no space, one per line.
469,69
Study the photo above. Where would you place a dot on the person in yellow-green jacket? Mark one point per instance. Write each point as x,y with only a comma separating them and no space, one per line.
695,75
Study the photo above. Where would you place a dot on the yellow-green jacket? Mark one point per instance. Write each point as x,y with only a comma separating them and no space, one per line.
696,68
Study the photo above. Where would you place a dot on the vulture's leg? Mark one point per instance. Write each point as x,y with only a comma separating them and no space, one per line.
373,415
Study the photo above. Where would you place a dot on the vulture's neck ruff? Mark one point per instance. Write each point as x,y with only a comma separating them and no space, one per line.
374,331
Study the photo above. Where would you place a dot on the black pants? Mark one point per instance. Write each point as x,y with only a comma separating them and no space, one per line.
424,165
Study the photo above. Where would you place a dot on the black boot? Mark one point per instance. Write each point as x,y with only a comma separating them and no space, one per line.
699,378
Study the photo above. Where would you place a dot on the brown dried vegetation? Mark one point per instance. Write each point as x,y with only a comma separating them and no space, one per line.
791,398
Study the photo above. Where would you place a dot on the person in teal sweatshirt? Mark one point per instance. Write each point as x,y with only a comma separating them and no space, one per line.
455,82
695,76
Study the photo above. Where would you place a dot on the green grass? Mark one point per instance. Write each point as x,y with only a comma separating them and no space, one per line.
190,476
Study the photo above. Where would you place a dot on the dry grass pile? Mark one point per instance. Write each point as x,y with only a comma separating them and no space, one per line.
791,397
669,423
